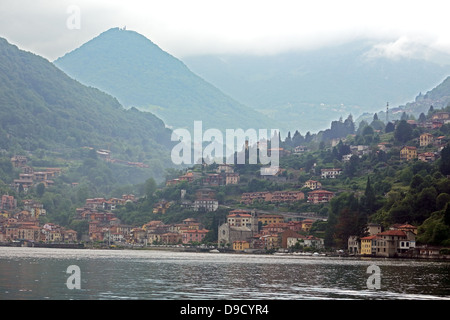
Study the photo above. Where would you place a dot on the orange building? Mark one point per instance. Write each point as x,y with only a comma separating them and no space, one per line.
190,236
320,196
408,153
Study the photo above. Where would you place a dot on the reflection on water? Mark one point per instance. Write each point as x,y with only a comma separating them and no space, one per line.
39,273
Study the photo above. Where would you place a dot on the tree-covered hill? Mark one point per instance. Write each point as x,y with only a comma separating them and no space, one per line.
41,108
139,74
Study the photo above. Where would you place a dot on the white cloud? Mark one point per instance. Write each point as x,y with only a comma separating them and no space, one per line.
400,48
211,26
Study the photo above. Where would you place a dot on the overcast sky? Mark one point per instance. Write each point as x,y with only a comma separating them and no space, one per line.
52,28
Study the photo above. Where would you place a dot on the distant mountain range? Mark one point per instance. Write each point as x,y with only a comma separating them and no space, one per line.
41,108
307,90
438,98
139,74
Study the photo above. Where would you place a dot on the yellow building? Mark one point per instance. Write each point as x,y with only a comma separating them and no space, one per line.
368,245
266,219
272,241
306,224
241,245
408,153
161,207
426,139
313,185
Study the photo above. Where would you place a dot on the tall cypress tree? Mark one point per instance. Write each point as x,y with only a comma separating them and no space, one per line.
444,165
369,196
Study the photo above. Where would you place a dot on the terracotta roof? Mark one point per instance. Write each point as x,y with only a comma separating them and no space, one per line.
407,226
370,237
240,215
393,233
319,191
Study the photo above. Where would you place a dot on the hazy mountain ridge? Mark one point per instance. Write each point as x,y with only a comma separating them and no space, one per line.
438,97
138,73
336,81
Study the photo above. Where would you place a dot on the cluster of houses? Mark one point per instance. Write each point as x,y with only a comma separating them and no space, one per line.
154,232
106,156
426,140
22,223
397,240
29,177
205,200
276,196
104,226
436,121
315,196
247,230
17,225
190,231
224,175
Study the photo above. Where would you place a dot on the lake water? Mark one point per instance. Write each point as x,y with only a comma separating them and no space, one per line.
42,273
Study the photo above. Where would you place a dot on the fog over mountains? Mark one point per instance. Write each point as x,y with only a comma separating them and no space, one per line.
303,90
307,90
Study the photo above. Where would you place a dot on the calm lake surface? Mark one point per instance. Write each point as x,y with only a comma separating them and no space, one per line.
41,273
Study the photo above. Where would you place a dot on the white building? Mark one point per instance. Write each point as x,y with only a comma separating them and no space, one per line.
330,173
205,204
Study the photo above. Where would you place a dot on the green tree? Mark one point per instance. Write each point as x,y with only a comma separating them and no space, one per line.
369,197
442,200
351,167
150,187
389,127
424,204
403,132
444,164
422,118
447,214
345,219
40,190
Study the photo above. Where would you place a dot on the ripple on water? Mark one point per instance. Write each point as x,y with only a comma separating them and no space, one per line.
150,274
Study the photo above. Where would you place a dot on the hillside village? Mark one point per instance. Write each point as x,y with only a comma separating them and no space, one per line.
231,207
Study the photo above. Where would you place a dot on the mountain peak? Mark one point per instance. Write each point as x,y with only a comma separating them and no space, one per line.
138,73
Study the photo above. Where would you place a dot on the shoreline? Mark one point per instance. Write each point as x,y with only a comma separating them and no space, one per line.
175,248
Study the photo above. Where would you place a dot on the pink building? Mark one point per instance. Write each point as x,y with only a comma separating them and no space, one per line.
8,203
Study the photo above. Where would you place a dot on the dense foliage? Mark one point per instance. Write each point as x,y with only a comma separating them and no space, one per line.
44,111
